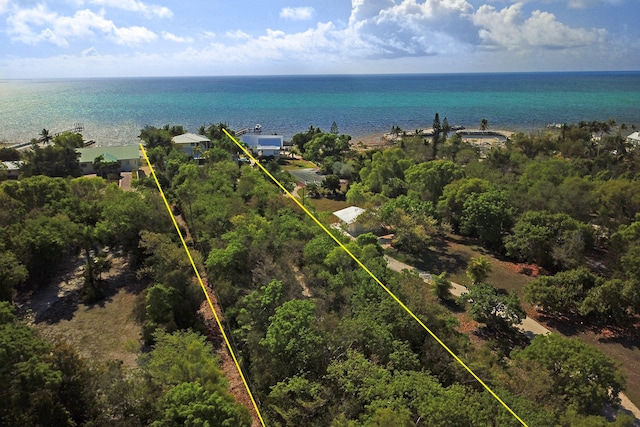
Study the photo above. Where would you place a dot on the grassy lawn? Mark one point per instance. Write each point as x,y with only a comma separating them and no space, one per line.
453,253
101,332
292,164
327,205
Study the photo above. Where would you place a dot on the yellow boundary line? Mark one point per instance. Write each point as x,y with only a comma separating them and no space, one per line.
204,289
373,276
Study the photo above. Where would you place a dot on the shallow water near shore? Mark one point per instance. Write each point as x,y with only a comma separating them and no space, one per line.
113,111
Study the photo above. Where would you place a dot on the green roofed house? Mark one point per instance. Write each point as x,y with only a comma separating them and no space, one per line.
128,157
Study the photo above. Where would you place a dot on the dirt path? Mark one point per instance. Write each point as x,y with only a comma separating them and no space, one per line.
529,326
228,366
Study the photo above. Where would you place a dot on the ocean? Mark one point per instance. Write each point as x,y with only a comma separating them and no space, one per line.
113,111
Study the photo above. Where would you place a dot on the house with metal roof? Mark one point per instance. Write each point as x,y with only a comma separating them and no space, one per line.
349,217
128,157
191,144
634,139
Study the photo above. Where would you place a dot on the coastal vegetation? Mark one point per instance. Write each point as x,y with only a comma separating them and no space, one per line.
321,343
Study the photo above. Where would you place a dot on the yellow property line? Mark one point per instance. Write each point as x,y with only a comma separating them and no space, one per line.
204,289
373,276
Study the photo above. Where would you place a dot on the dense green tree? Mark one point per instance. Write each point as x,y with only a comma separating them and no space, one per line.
293,339
496,310
383,166
618,201
301,139
12,274
563,292
427,180
298,401
69,140
9,154
53,160
183,356
488,216
126,214
191,405
583,377
42,384
42,242
614,301
554,241
454,195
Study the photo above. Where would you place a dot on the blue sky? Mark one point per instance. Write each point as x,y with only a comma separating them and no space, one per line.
111,38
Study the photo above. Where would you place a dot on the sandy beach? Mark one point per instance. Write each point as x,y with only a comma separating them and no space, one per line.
482,139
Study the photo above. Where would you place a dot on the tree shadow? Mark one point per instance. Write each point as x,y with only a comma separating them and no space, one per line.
61,309
627,335
503,340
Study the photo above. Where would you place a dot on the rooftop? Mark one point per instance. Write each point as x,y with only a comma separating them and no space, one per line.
88,155
349,215
189,138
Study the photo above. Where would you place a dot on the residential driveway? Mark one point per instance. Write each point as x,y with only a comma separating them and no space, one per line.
307,176
125,181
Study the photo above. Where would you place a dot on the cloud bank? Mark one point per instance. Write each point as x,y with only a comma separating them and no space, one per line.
375,30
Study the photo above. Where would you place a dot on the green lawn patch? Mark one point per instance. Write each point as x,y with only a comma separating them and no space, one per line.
292,164
327,205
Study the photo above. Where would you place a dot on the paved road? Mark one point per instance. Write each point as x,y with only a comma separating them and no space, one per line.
307,175
529,327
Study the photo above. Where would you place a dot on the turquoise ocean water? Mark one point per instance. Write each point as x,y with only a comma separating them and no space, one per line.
114,110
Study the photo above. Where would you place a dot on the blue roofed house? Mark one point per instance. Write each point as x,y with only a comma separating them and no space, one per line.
264,145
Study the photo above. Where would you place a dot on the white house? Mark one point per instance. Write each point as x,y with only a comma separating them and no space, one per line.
264,145
349,217
128,157
634,139
191,144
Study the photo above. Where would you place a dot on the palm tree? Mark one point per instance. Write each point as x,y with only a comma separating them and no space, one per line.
484,124
45,137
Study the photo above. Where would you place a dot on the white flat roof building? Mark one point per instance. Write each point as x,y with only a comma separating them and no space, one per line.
264,145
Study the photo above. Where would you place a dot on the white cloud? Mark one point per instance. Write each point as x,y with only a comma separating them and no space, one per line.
508,28
149,10
32,26
237,34
583,4
412,28
174,38
90,52
4,5
297,13
133,35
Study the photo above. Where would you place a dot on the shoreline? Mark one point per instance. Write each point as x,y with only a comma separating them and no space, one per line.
483,139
